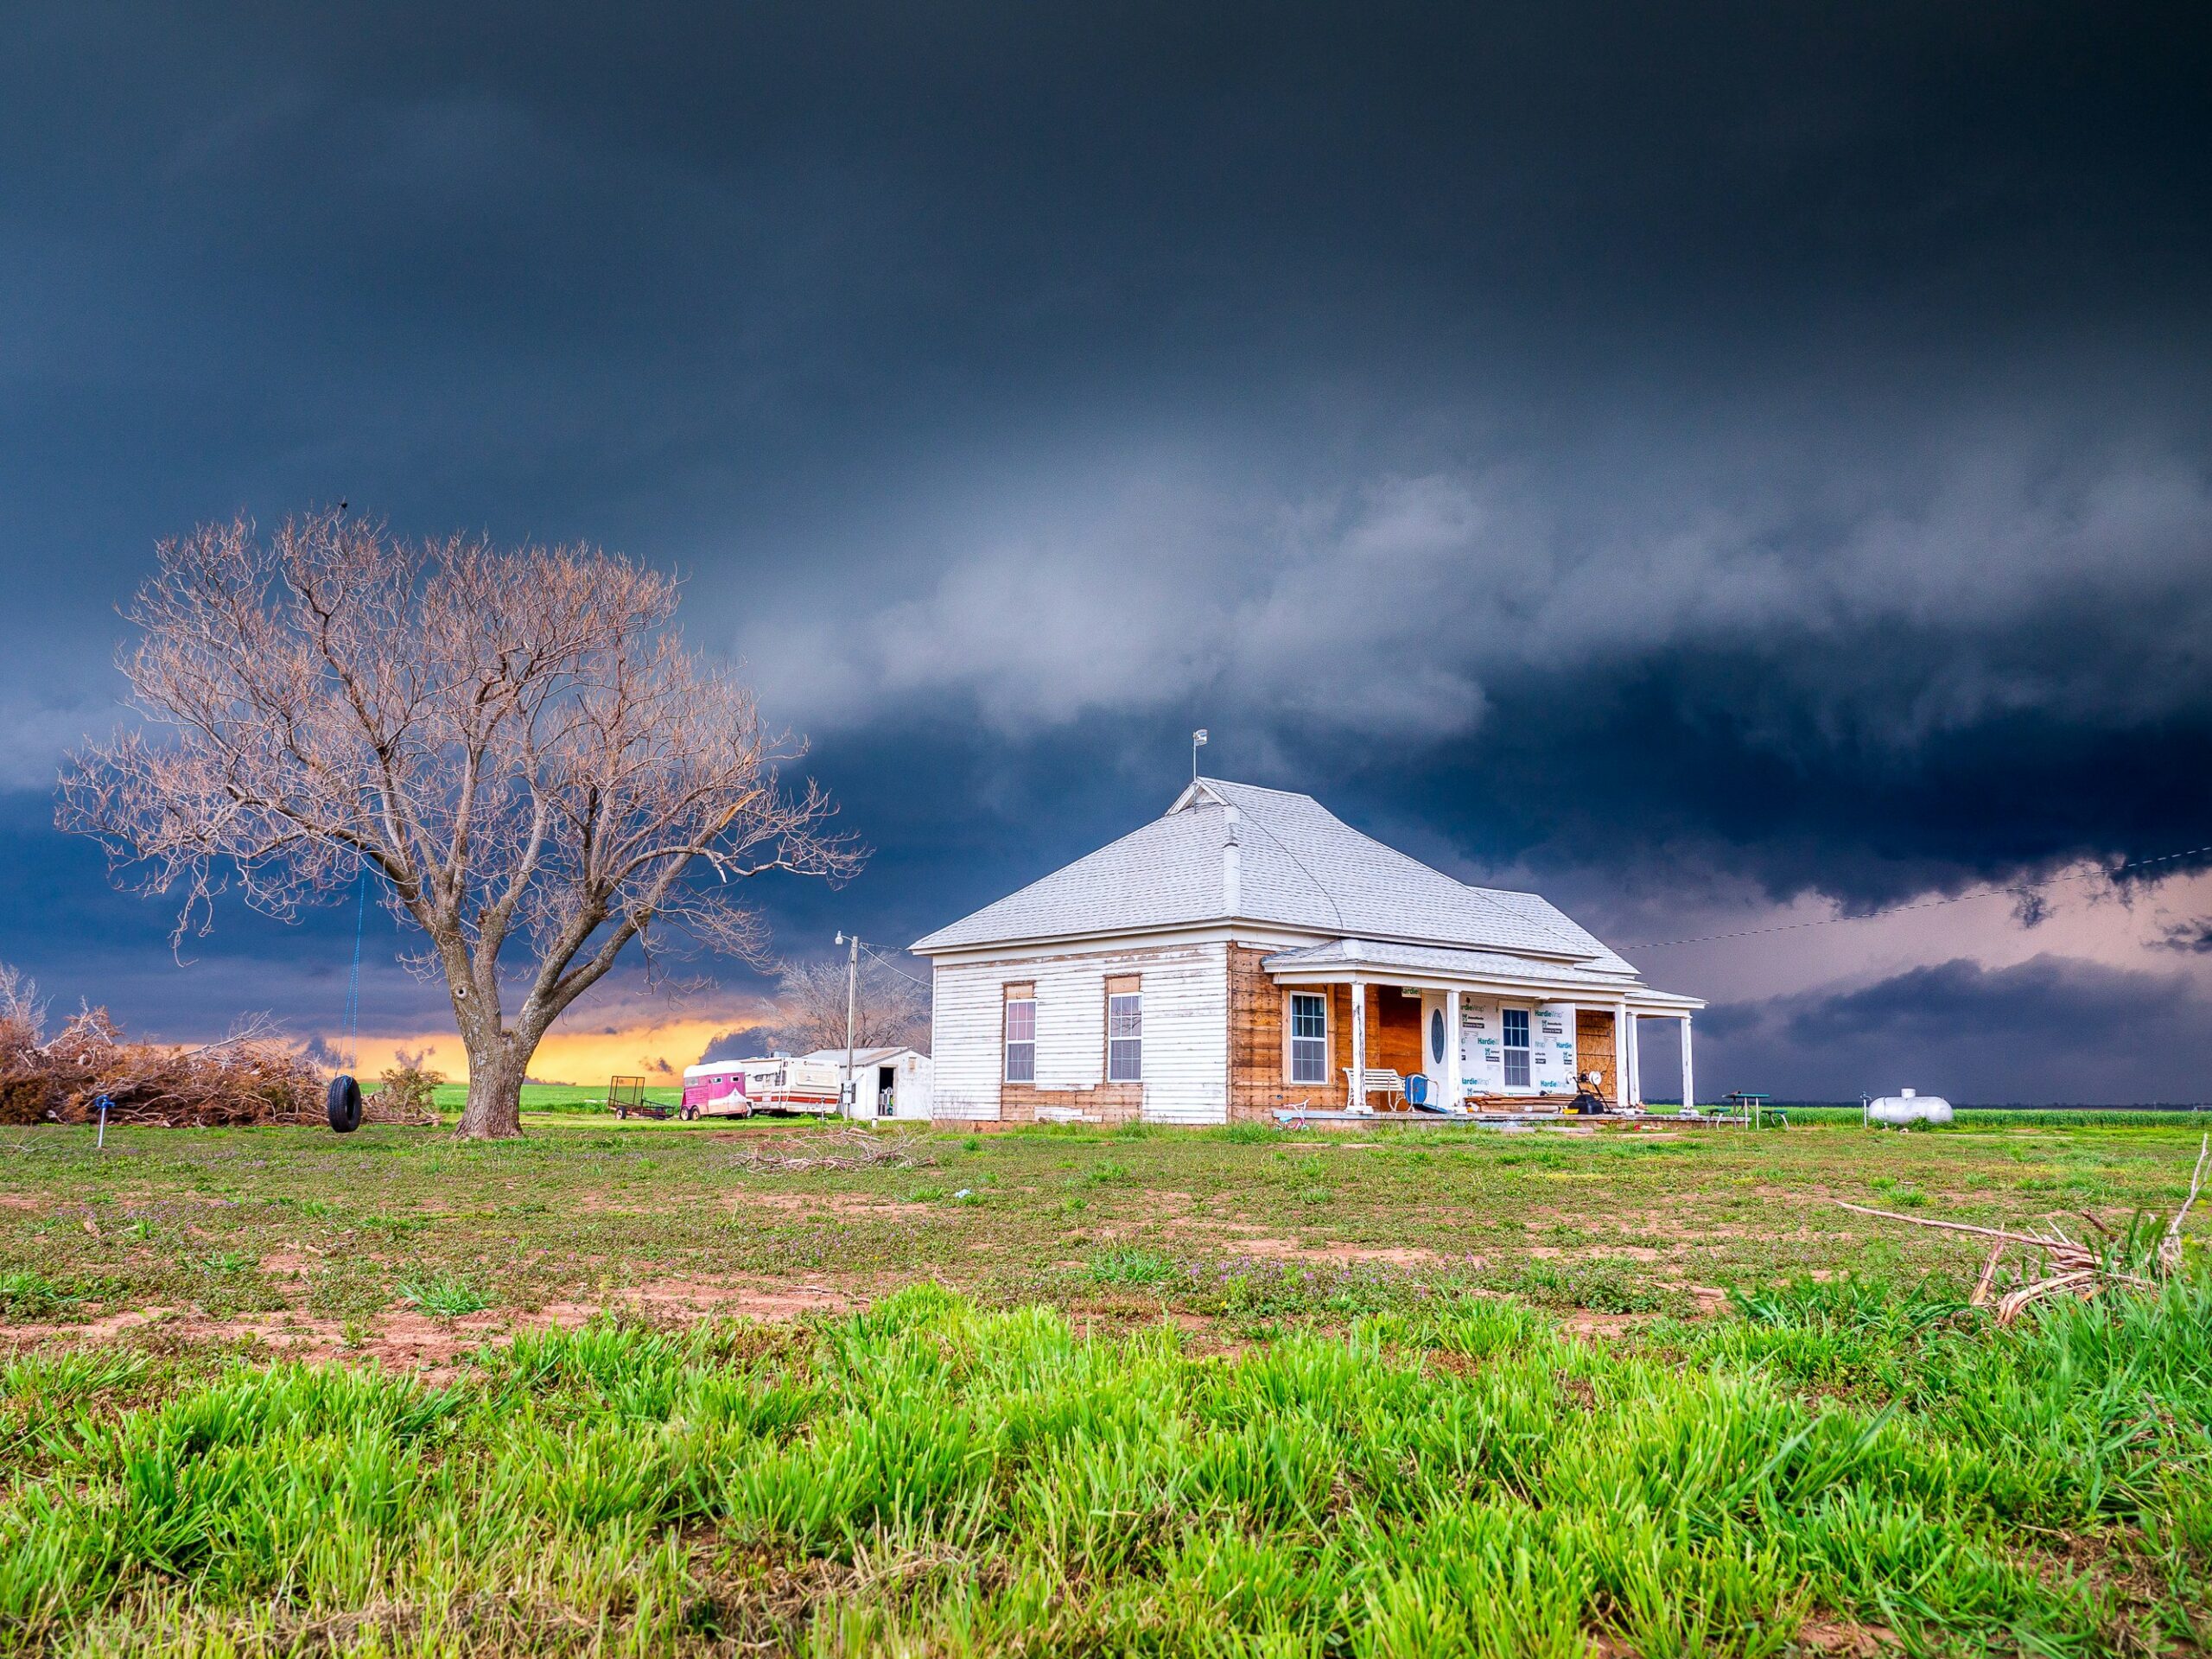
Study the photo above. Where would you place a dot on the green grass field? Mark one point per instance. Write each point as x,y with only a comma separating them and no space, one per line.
654,1386
588,1099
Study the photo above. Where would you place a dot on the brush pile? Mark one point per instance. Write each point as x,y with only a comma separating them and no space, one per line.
853,1148
2046,1262
408,1094
253,1076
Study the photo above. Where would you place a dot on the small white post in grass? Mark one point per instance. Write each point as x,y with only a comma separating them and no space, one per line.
100,1142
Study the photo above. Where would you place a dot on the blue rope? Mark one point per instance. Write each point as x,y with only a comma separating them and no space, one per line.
353,980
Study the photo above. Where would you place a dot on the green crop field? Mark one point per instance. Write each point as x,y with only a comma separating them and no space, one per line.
666,1387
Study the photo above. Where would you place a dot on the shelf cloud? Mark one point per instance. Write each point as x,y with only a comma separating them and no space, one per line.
1708,464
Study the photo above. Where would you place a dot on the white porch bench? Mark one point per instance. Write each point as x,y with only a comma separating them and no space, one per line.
1373,1079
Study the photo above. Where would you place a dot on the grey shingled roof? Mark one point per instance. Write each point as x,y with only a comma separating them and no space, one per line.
1438,959
1299,866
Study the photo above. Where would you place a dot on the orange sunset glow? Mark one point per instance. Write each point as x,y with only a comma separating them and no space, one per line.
657,1050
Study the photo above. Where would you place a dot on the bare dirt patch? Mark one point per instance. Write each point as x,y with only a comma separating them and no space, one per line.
1847,1639
402,1339
1289,1249
100,1330
852,1205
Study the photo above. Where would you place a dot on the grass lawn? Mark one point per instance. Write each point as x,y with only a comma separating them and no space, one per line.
662,1386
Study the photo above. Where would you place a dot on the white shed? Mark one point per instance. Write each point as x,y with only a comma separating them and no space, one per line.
888,1083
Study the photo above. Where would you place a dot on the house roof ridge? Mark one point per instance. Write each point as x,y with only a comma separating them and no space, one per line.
1298,865
1261,789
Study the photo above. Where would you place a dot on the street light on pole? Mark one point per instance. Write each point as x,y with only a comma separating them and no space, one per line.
852,991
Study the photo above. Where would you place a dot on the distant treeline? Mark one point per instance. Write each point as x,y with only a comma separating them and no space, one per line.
1997,1106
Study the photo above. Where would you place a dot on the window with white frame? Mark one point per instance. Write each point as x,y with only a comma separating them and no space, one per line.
1021,1039
1309,1038
1515,1022
1125,1037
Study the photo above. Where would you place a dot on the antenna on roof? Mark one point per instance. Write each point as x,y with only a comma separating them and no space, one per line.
1198,742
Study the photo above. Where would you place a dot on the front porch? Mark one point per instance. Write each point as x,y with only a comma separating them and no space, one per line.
1480,1030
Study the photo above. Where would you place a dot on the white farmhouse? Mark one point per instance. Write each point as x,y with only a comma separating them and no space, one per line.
1247,950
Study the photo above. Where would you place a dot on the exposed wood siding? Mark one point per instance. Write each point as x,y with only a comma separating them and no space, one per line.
1259,1055
1256,1037
1186,1036
1393,1030
1594,1048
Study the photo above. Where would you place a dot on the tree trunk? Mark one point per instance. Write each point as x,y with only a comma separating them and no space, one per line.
495,1073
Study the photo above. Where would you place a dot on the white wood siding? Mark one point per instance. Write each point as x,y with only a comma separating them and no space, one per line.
965,1008
1186,991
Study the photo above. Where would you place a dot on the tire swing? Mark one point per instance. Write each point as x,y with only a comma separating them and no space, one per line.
344,1104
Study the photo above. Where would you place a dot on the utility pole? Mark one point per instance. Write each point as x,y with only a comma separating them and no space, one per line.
852,995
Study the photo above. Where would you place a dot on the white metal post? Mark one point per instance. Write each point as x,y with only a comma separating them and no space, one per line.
1689,1093
852,991
1355,1085
1633,1071
1451,1081
1620,1057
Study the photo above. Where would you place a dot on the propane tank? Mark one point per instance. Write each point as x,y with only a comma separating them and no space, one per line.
1905,1109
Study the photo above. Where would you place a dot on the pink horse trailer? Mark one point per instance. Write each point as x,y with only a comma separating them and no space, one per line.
716,1090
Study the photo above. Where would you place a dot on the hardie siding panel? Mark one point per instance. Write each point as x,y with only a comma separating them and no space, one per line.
1185,992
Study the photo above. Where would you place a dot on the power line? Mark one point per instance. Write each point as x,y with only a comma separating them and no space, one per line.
894,966
1926,904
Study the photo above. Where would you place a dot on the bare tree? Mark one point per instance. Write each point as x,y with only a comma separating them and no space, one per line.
514,742
890,1010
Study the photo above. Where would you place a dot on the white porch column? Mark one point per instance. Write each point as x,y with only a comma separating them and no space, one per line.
1451,1086
1357,1096
1620,1055
1689,1093
1633,1071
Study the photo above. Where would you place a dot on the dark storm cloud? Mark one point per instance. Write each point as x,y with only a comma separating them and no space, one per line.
2195,936
2046,1030
1688,449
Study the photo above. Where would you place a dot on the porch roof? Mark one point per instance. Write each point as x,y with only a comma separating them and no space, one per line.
1385,958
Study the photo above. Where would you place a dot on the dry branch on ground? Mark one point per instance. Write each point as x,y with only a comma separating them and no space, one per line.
854,1148
2063,1265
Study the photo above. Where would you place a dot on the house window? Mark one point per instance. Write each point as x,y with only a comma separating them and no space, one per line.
1515,1021
1021,1039
1309,1038
1125,1037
